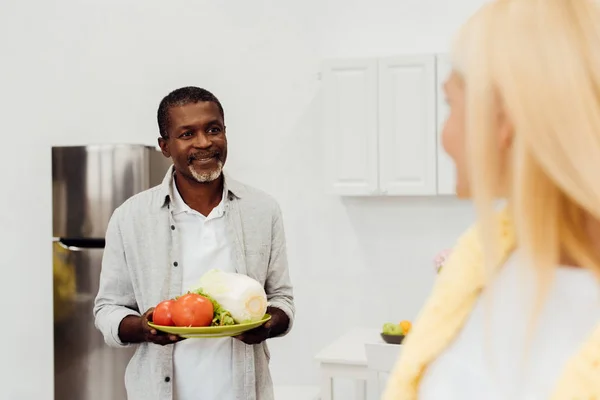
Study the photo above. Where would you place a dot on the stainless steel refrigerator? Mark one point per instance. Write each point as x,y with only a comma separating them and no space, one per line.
88,183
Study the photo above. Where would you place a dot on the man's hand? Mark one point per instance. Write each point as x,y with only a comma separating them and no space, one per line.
276,326
134,329
152,335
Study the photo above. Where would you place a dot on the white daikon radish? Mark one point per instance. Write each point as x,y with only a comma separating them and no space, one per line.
242,296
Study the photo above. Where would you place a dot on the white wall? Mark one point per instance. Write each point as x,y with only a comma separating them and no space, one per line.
81,71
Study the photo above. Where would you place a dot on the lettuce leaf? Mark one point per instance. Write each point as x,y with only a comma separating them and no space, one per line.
221,316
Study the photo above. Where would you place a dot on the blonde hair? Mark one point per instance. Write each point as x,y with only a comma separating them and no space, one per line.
538,62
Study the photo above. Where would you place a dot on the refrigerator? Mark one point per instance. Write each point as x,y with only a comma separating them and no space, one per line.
88,183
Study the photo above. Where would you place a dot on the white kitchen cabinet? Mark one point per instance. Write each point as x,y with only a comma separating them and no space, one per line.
407,126
381,125
446,177
350,94
381,359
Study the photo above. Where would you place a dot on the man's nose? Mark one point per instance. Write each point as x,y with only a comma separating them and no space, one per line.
202,141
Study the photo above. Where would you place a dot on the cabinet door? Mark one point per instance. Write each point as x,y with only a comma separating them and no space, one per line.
407,126
446,176
351,125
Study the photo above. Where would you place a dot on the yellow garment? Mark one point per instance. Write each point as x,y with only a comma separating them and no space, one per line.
451,302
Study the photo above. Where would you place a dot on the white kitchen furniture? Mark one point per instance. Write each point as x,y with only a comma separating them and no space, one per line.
351,118
407,126
382,125
296,392
345,357
381,359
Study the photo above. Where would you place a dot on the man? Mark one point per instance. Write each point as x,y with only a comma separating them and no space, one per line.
161,241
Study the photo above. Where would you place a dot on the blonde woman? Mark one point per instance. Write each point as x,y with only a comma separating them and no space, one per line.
515,313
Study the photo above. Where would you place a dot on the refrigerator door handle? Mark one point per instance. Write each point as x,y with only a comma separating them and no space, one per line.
80,244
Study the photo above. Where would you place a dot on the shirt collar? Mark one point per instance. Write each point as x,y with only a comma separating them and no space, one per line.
231,188
180,206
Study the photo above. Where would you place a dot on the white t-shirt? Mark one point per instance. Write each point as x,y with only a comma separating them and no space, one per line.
202,367
486,360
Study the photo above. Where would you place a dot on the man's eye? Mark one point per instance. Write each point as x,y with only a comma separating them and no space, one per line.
186,134
215,129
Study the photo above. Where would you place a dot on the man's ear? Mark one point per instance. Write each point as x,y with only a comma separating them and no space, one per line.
164,147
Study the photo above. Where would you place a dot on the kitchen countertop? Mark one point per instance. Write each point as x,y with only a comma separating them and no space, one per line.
349,349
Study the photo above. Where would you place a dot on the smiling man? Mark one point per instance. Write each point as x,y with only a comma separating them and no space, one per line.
161,241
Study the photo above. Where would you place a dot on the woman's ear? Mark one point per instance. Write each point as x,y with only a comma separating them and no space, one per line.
505,131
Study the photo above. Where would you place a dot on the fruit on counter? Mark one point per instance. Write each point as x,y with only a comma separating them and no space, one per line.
392,329
244,298
406,327
162,313
192,310
401,329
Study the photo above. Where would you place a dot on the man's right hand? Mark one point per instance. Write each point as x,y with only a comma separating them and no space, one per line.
134,329
152,335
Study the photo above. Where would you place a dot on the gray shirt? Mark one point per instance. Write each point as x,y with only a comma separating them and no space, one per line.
139,270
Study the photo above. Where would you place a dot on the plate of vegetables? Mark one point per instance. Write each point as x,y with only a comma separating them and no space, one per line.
223,304
395,333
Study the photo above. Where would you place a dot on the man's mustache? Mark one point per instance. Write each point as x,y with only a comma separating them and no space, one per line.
203,155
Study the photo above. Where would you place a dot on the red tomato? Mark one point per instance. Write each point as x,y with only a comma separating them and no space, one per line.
192,310
162,313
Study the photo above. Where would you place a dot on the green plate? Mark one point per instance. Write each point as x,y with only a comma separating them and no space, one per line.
210,331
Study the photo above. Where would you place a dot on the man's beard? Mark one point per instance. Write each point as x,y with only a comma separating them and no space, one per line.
207,176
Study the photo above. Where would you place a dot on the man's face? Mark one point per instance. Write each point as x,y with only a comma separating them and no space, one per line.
196,141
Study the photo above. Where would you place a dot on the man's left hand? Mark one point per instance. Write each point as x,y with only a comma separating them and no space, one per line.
276,326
